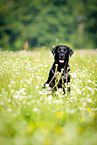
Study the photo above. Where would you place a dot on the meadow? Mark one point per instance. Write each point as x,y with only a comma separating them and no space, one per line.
32,116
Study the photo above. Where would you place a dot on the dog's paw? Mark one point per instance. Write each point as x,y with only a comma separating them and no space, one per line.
45,86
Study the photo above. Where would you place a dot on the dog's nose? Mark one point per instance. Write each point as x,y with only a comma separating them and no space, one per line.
61,56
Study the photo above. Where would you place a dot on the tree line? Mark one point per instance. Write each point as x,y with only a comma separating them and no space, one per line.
47,23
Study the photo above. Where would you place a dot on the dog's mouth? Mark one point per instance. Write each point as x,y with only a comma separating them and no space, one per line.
61,61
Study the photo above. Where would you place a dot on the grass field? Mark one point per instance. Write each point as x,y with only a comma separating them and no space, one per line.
32,116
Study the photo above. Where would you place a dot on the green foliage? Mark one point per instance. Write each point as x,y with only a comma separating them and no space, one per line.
42,22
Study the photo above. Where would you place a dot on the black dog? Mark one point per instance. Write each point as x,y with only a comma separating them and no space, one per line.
61,59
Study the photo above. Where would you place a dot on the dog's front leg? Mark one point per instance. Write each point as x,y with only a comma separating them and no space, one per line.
50,79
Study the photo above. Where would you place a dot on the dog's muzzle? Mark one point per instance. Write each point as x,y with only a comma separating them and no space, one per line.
61,57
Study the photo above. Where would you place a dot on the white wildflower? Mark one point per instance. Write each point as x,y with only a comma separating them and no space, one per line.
35,109
15,96
45,65
78,91
89,81
9,100
89,88
71,111
41,93
83,89
9,109
50,98
84,104
71,98
28,103
2,103
9,85
36,60
67,110
56,92
89,100
37,87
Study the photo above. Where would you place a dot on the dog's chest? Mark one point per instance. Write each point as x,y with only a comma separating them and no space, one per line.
60,75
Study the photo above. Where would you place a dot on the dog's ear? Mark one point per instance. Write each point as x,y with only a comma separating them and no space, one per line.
70,51
54,50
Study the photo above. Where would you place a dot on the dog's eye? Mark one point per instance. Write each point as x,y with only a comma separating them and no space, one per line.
59,50
65,50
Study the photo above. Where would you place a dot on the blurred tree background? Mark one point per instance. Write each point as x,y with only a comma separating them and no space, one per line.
47,23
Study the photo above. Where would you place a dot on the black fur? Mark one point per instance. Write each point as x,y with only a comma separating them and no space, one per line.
61,58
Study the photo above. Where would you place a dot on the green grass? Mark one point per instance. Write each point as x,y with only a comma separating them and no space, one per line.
32,116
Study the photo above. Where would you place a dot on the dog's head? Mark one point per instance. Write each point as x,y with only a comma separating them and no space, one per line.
61,53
